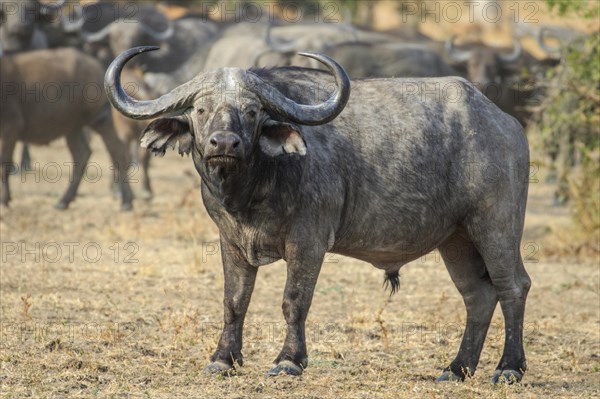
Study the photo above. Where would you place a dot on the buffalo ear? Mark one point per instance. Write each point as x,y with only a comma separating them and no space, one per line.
278,138
165,132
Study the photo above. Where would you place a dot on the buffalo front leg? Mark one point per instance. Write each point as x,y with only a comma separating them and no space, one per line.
80,152
239,278
25,158
144,156
7,167
303,267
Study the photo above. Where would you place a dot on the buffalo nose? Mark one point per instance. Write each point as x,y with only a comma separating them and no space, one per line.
224,142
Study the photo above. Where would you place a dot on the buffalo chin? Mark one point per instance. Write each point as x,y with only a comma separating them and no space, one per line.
222,163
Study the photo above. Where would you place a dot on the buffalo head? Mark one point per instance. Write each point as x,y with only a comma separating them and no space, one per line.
148,26
484,65
18,21
227,116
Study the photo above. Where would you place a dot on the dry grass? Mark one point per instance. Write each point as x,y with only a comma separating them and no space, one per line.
78,328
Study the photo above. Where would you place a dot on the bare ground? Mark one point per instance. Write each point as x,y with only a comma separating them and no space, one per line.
101,303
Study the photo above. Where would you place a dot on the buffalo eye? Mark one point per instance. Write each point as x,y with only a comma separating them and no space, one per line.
200,111
251,114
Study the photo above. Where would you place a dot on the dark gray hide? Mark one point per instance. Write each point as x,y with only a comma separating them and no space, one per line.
409,165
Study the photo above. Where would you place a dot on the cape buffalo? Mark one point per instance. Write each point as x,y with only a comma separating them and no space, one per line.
47,94
23,27
401,168
20,22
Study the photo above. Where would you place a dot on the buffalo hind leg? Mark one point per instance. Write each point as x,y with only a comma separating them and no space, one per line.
512,292
303,267
239,283
501,253
80,152
467,270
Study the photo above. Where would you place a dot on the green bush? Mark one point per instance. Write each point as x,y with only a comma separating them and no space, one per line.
569,121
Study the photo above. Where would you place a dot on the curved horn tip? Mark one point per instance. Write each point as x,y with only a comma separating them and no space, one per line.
541,35
143,49
316,56
112,78
328,61
119,62
132,52
515,54
310,115
175,100
322,58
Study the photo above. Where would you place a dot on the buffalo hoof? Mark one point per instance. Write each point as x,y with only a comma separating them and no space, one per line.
219,368
145,195
286,367
116,193
61,205
449,376
126,207
507,377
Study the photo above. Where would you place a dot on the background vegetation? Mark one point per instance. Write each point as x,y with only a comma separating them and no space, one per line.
568,126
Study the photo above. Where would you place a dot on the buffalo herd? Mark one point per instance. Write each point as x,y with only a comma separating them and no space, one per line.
308,138
192,42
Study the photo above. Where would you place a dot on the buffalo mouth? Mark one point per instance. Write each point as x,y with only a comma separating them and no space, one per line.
222,160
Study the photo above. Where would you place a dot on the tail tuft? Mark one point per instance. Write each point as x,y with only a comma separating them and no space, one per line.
392,280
